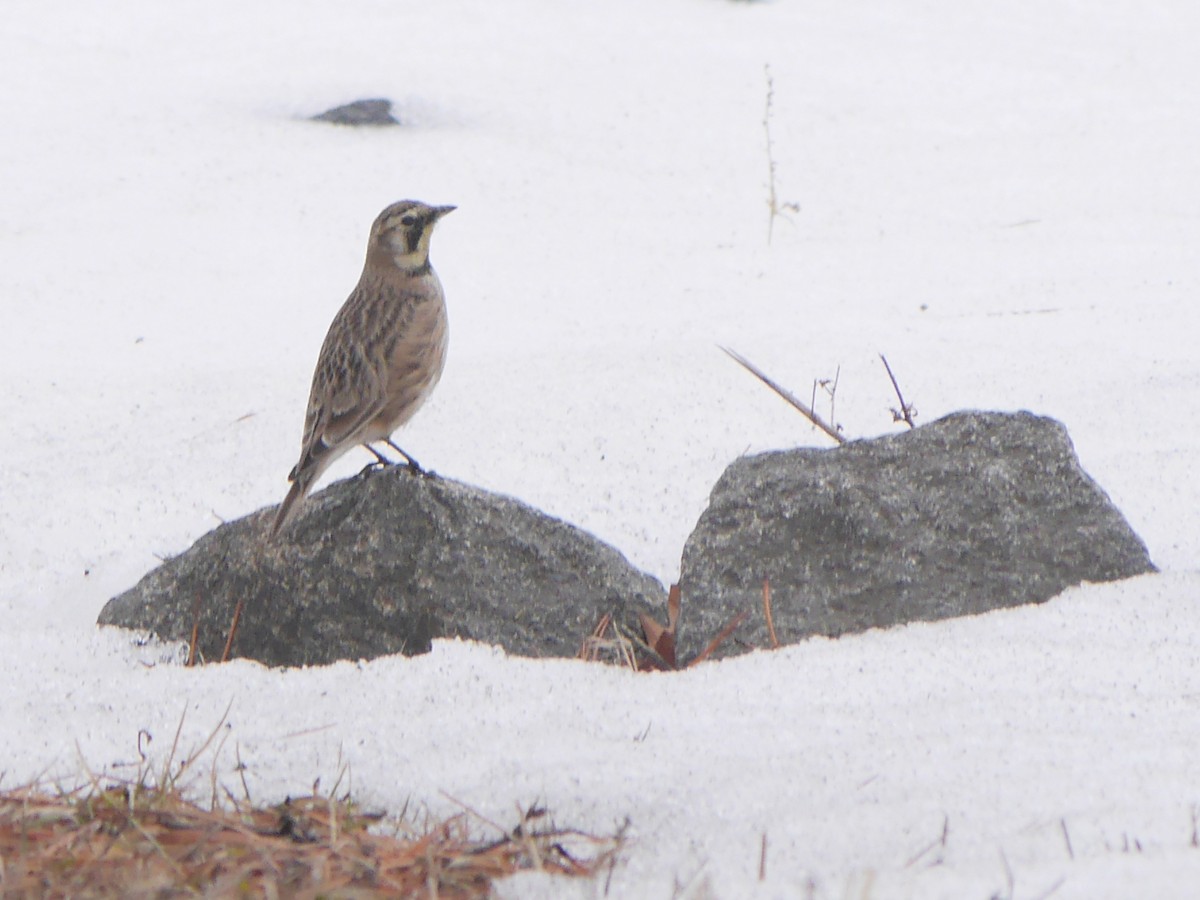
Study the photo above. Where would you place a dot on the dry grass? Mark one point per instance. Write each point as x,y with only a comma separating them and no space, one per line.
654,650
134,841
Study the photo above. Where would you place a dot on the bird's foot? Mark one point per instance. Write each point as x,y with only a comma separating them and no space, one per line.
412,464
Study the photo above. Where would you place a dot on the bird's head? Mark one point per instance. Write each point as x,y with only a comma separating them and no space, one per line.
401,234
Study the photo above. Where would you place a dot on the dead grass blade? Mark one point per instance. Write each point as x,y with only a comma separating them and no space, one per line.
599,647
662,640
656,651
767,613
233,627
722,636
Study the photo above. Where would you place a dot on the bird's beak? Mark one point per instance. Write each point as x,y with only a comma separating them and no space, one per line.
439,211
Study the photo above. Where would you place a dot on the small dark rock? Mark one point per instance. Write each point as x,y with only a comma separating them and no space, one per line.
360,112
384,563
969,513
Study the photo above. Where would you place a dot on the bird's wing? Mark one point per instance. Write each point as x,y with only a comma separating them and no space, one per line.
347,393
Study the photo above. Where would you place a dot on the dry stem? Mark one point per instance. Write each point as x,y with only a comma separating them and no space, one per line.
907,412
233,627
805,410
723,635
767,613
774,207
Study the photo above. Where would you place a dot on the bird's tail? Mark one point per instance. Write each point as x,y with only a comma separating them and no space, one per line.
287,508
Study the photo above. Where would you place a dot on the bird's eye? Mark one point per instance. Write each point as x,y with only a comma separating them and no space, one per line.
408,221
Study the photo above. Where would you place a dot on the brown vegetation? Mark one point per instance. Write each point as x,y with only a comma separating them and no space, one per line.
134,841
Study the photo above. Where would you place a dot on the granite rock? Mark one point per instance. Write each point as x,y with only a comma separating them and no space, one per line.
384,563
975,511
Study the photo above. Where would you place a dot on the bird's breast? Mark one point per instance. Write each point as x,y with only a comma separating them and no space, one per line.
416,357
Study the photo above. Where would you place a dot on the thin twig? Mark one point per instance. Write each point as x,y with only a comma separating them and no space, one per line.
907,412
831,390
805,410
774,207
767,611
233,627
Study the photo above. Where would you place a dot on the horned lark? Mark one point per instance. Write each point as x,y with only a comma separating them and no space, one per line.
383,354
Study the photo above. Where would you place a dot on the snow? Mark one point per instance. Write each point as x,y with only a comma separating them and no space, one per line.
1001,197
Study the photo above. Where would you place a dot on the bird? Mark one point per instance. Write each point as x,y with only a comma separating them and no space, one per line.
384,352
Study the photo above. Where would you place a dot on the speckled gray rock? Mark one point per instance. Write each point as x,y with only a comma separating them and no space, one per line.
969,513
360,112
383,563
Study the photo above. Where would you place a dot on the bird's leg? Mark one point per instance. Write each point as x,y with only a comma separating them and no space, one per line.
412,463
381,461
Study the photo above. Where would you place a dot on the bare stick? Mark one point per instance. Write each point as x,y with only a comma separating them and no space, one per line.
805,409
907,411
767,611
1067,838
762,859
191,657
233,627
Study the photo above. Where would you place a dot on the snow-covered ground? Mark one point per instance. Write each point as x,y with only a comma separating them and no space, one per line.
1003,197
